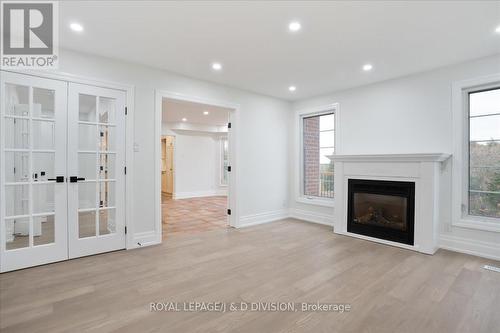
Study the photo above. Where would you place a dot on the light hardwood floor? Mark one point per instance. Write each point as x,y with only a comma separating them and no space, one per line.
389,289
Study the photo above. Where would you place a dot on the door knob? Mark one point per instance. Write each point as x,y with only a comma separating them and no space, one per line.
74,179
58,179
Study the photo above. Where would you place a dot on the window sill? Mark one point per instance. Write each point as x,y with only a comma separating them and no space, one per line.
478,223
316,201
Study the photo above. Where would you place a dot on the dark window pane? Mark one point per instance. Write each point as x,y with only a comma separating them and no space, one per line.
484,204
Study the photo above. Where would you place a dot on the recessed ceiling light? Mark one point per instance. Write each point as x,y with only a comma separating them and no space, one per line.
205,113
216,66
294,26
184,119
76,27
497,30
367,67
292,88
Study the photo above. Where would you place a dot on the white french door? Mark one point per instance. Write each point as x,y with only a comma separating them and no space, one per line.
62,159
96,162
33,192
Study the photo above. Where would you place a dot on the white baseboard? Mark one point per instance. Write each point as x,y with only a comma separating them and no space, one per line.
474,247
142,239
254,219
198,194
313,217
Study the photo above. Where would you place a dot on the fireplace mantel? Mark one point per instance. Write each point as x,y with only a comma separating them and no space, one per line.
425,170
432,157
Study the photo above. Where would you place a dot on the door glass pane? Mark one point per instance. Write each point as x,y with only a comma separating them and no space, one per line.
106,110
17,233
43,135
16,100
107,166
16,167
86,195
16,200
43,229
87,137
43,166
43,198
107,138
106,194
86,224
17,133
43,103
87,166
87,108
107,224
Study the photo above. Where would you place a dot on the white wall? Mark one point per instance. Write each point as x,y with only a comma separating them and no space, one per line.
408,115
196,163
262,133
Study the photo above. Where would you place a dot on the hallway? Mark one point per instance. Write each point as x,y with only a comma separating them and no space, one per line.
194,215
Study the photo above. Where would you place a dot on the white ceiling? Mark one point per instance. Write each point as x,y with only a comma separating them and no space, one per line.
174,110
258,53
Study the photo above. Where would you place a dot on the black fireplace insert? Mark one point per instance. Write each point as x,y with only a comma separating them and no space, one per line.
382,209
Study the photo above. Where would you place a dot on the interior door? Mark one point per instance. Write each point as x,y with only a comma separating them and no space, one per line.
169,157
96,162
33,210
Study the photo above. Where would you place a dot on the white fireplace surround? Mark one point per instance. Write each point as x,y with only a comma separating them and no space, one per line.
424,169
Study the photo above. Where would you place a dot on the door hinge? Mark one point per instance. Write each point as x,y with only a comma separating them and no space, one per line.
229,212
228,125
125,169
126,110
229,168
125,230
14,170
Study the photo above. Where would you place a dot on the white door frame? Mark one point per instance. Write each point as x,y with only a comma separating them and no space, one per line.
233,156
129,133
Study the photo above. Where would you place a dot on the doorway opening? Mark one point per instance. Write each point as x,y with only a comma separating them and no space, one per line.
195,167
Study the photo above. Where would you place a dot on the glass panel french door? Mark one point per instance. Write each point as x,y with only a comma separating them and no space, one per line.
33,192
96,161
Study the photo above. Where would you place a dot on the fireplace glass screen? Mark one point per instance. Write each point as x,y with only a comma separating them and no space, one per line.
382,209
386,211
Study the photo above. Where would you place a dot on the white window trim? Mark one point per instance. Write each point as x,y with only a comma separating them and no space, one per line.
221,160
299,185
460,216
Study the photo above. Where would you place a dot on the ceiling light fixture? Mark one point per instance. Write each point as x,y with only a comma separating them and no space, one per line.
184,119
292,88
497,30
216,66
367,67
294,26
205,113
76,27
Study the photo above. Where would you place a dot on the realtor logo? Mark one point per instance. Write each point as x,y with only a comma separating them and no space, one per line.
29,34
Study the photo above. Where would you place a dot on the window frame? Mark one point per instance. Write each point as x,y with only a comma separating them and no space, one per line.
461,158
300,115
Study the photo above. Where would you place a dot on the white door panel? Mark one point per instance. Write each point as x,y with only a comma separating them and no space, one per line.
33,206
96,161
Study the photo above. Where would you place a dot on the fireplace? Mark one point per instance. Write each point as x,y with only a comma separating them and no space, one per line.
382,209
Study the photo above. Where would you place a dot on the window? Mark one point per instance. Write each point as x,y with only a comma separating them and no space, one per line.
224,161
318,145
484,153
